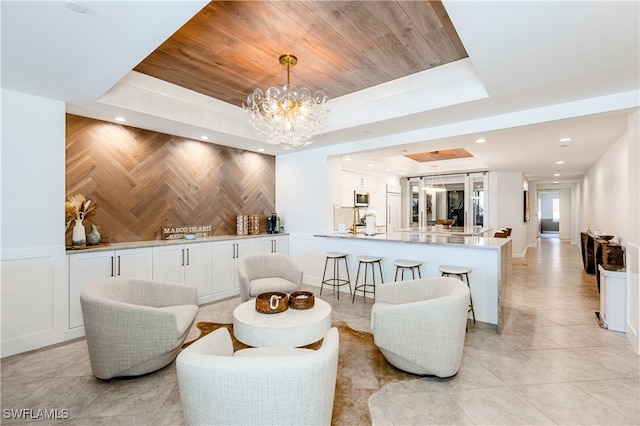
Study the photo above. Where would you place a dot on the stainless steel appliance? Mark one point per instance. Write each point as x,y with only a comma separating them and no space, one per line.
360,198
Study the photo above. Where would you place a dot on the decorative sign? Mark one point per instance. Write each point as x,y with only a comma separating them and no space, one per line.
179,232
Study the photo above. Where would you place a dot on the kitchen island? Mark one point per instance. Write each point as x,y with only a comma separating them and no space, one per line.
490,259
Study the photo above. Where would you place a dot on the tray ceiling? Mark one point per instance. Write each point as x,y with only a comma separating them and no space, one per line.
232,47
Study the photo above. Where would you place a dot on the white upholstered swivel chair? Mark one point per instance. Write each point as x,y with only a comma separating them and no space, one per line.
257,386
135,326
262,272
419,325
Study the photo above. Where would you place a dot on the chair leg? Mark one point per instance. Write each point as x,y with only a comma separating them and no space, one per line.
324,272
473,312
346,267
353,297
336,276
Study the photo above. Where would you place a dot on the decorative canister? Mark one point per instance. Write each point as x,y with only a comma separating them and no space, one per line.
242,224
93,237
254,224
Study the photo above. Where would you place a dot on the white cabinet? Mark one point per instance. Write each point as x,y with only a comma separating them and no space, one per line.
352,181
224,255
613,299
273,244
185,264
87,268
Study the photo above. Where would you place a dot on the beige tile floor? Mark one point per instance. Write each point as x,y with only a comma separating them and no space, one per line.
552,365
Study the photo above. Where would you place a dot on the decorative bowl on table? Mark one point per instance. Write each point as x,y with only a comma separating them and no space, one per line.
446,222
301,300
272,302
605,237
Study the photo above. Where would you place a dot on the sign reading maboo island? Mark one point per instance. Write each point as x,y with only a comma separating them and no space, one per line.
179,232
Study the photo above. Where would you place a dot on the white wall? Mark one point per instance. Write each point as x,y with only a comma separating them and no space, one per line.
302,191
566,216
34,278
633,233
506,201
610,193
605,189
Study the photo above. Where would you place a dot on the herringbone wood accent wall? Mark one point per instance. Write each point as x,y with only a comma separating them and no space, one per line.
143,180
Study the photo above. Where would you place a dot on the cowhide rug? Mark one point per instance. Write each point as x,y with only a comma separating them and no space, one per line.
362,370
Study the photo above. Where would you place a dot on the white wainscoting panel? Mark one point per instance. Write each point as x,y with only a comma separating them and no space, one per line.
33,299
633,296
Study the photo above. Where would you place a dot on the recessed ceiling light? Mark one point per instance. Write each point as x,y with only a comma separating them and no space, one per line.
204,137
347,158
560,162
120,119
481,140
370,164
555,182
565,139
556,174
76,7
261,150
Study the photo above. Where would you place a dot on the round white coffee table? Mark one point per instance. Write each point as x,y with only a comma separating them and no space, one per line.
291,328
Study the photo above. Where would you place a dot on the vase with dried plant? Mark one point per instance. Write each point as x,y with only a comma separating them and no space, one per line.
77,209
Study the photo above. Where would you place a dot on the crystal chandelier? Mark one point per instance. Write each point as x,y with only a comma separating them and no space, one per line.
433,185
287,116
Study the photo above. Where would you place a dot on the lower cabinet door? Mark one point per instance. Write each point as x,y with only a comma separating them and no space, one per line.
197,268
168,263
85,269
223,264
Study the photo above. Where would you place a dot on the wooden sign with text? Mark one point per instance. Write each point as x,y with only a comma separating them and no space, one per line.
179,232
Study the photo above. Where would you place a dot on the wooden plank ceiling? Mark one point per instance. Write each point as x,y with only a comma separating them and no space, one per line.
232,47
443,154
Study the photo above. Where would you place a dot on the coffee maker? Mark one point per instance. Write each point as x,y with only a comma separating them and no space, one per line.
273,224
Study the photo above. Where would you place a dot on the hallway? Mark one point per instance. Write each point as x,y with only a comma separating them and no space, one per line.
552,365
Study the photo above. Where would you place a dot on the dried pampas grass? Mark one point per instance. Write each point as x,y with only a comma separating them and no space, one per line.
78,207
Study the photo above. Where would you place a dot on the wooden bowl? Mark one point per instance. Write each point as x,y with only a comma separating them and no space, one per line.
272,302
301,300
606,237
446,222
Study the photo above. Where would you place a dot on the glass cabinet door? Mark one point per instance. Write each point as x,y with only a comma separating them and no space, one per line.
463,200
476,203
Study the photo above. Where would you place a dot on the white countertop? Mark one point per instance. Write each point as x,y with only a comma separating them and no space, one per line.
452,230
426,238
156,243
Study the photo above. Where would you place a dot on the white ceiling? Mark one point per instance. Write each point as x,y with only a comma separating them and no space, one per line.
536,71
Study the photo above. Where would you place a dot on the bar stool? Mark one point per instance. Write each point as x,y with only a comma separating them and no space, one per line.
367,260
403,264
461,272
335,281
